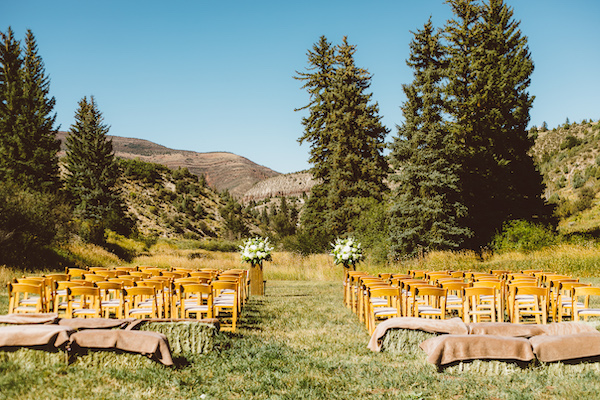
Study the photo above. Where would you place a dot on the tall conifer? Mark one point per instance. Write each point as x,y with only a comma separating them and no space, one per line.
490,69
346,137
92,173
28,144
426,211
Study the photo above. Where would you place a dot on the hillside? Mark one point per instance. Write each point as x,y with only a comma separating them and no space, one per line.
222,170
295,184
569,159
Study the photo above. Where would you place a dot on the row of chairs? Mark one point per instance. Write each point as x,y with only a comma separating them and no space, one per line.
526,296
141,292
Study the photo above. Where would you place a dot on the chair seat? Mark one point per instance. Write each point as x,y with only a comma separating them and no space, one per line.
379,311
589,311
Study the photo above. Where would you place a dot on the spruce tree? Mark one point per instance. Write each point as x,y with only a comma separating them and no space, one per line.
488,76
11,100
92,173
346,137
358,165
426,211
28,144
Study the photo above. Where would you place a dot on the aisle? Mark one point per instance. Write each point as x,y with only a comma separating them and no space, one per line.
299,338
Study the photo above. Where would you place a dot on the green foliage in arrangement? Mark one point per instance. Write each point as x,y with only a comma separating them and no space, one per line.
92,176
346,137
28,144
524,236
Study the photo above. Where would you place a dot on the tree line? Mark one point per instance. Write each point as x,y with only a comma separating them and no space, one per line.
458,166
459,161
37,205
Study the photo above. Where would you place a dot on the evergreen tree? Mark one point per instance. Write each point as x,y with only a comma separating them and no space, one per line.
92,173
346,138
426,211
28,144
488,76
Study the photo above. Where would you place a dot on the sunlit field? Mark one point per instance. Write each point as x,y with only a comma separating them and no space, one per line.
299,341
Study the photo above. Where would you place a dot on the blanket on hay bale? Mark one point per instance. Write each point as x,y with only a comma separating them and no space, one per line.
77,336
450,343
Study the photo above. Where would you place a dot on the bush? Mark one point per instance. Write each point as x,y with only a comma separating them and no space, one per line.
143,171
29,221
578,180
569,142
523,236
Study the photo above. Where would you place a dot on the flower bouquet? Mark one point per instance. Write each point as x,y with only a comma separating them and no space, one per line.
255,251
347,252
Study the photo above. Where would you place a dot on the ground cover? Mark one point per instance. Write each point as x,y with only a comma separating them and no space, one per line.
297,341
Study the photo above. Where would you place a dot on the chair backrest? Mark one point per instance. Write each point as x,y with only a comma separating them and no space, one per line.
109,285
586,291
218,286
200,291
94,278
125,280
143,292
107,274
76,273
58,277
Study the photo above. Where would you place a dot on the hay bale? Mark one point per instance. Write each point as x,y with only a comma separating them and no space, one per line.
185,336
114,359
31,359
405,342
486,367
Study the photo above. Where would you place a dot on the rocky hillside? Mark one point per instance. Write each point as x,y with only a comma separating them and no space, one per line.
287,185
223,171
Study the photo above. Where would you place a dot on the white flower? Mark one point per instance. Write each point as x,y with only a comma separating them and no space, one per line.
256,249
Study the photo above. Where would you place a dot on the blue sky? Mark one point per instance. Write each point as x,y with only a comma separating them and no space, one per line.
217,75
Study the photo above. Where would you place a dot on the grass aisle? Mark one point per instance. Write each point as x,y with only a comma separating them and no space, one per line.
297,342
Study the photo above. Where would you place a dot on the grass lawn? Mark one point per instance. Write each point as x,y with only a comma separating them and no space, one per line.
296,342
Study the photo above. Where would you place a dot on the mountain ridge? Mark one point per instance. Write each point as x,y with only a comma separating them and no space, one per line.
222,170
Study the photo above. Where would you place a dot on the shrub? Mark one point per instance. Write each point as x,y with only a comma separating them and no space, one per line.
524,236
578,180
29,221
569,142
144,171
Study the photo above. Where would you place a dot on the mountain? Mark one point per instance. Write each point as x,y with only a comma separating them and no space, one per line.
222,170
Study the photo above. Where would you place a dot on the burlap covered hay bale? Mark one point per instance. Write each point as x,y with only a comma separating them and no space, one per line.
405,342
451,349
185,336
31,359
114,359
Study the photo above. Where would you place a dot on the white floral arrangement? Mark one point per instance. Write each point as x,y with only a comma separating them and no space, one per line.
346,251
256,250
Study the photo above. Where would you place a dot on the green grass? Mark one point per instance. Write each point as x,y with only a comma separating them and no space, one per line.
298,341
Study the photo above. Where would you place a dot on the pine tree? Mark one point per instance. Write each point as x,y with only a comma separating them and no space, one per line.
11,100
488,77
346,138
426,212
28,144
92,173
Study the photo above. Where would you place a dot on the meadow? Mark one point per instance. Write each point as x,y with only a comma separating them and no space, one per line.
299,341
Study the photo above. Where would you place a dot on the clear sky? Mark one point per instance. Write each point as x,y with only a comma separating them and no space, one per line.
217,75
